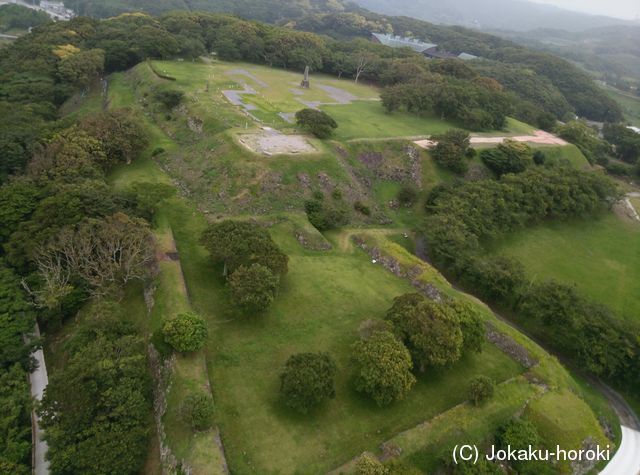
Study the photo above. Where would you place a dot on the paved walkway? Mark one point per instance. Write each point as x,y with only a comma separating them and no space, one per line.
626,461
39,381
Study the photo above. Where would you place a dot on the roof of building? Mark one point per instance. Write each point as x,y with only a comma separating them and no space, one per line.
402,42
467,56
434,52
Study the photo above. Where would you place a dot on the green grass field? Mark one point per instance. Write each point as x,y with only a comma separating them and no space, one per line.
322,301
368,119
569,154
601,256
630,105
324,298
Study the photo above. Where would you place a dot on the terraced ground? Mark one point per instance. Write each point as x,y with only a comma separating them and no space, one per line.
326,294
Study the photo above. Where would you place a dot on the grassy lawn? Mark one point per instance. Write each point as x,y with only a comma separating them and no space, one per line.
565,154
635,202
560,419
600,256
324,298
276,90
369,119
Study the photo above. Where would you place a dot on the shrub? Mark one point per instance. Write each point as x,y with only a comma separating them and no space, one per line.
360,207
539,158
451,150
169,98
408,195
508,157
317,122
253,288
383,368
324,216
369,465
520,434
185,332
307,380
197,411
480,389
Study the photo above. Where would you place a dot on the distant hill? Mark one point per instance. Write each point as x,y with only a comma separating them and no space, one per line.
609,52
263,10
517,15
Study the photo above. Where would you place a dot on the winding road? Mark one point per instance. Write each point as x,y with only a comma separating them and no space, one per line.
39,380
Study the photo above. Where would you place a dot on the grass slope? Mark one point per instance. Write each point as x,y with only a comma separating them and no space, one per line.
323,299
600,256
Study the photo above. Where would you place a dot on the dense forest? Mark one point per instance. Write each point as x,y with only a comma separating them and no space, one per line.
552,75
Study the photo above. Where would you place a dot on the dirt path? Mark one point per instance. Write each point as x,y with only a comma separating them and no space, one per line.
633,212
539,137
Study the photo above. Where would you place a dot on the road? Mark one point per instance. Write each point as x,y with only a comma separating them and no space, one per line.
39,380
626,460
59,13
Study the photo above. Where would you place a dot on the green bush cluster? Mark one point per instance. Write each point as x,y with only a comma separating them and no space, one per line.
326,214
186,332
251,260
317,122
197,411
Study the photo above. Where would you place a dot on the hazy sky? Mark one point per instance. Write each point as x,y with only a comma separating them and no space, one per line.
629,9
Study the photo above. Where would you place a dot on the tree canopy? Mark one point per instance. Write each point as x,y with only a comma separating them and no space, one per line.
317,122
307,380
383,368
95,411
237,243
185,332
430,331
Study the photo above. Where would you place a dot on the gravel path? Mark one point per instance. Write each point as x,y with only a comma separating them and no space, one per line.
235,97
247,74
340,96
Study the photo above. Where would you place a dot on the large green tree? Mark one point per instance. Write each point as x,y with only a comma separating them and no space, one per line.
237,243
307,380
253,288
508,157
383,368
431,331
451,150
